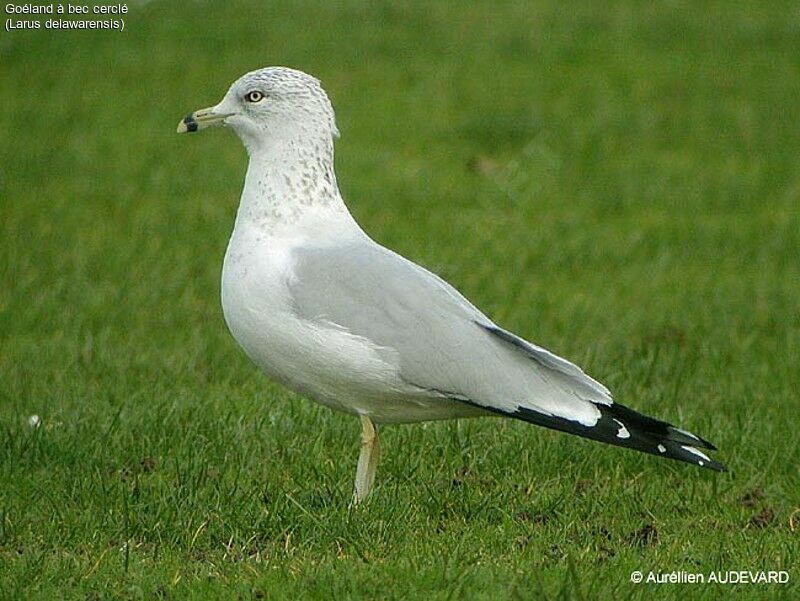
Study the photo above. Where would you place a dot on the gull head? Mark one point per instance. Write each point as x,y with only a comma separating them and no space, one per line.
268,106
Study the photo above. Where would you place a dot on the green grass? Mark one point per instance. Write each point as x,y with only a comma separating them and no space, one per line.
619,182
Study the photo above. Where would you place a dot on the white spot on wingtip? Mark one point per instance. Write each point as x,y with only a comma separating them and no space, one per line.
689,434
623,431
694,451
581,417
662,448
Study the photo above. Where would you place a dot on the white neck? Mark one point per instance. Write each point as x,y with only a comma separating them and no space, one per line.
290,190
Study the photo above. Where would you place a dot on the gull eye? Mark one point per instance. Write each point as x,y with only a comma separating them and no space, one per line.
254,96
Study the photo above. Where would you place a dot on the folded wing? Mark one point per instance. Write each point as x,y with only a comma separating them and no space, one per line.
444,345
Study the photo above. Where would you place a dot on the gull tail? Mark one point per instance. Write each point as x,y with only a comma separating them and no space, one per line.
624,427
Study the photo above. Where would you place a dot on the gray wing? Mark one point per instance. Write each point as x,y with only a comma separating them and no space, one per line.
443,343
447,348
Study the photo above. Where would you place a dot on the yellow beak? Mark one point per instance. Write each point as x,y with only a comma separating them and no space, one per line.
201,119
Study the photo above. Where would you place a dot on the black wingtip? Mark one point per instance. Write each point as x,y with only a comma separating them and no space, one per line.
679,435
620,426
689,454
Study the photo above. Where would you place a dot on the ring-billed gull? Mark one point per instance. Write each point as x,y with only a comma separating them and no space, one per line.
324,309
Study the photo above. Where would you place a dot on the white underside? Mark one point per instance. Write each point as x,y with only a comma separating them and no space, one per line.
316,359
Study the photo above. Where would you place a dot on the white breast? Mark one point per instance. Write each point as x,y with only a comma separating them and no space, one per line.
321,360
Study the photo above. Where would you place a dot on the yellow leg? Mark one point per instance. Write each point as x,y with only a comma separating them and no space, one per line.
367,459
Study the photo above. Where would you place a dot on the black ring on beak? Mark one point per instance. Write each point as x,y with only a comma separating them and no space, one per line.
190,123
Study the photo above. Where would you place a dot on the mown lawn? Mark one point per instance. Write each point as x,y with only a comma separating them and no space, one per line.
619,182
